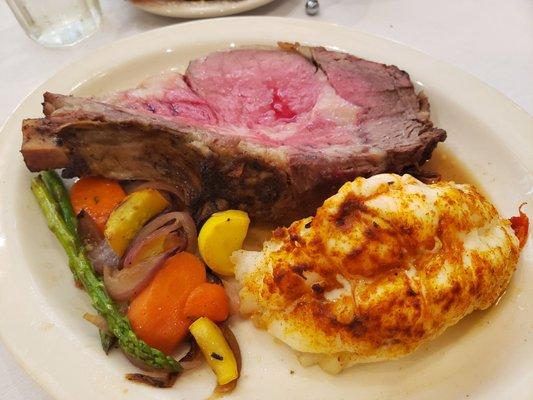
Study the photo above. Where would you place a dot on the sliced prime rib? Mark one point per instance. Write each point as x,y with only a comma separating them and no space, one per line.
270,131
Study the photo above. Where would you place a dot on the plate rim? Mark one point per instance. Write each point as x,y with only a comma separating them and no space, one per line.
49,385
200,9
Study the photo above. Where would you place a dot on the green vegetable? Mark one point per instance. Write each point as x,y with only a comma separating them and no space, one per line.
59,192
107,340
118,324
53,216
55,185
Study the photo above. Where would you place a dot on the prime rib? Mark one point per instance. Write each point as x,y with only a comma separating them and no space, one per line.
272,131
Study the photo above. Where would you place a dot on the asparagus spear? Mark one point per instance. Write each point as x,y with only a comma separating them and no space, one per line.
57,189
107,340
54,220
119,325
55,185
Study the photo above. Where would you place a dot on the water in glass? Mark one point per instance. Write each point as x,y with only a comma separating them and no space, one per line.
56,23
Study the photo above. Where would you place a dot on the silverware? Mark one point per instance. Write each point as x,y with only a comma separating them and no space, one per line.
312,7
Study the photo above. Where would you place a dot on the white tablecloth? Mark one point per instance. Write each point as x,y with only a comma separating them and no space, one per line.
491,39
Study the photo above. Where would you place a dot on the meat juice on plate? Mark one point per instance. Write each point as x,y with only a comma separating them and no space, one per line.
450,168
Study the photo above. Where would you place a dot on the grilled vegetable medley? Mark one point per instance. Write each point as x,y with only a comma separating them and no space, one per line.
135,251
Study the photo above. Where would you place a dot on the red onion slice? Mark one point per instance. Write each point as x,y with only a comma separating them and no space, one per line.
88,229
193,358
103,255
97,247
154,379
234,346
147,235
190,230
179,194
153,225
162,226
151,376
124,284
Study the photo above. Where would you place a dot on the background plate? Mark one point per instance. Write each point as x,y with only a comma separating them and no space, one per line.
486,356
198,8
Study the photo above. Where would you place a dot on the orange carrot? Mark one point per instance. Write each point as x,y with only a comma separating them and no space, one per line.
156,314
208,300
97,196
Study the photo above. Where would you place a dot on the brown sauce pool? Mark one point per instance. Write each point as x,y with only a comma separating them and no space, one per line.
451,168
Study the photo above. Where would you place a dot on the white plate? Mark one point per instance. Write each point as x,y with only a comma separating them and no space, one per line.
488,355
198,8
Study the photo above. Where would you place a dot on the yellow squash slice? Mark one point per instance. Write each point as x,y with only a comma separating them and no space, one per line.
215,349
131,215
221,235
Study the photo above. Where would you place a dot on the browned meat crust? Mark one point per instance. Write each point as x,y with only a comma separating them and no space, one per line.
87,137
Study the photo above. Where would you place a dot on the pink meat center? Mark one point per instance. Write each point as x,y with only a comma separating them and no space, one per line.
281,108
265,96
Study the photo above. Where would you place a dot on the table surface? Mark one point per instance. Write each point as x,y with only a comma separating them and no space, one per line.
491,39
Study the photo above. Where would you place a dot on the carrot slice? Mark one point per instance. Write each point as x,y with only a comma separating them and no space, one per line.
97,196
156,314
208,300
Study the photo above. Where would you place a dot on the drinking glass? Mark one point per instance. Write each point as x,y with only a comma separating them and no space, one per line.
56,23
